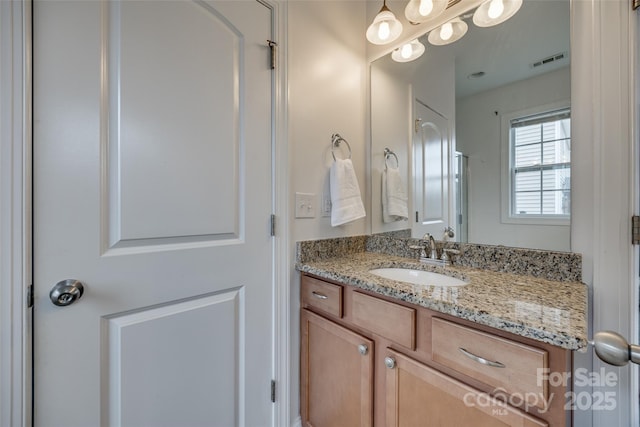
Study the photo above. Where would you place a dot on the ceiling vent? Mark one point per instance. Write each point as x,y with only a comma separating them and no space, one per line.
550,59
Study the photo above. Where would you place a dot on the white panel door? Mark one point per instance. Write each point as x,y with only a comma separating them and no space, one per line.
432,178
153,187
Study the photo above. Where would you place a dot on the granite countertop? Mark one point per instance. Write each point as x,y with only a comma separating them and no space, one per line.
550,311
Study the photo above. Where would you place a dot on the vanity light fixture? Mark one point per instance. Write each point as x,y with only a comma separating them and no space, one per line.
408,51
494,12
418,11
385,27
448,32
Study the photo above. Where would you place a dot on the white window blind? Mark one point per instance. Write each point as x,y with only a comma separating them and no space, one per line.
540,165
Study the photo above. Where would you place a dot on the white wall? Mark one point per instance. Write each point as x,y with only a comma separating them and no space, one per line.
394,87
390,124
434,85
478,136
327,78
327,94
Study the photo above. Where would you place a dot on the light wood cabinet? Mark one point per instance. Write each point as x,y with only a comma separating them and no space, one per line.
417,395
336,375
431,381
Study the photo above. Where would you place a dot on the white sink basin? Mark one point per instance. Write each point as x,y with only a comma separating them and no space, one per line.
418,277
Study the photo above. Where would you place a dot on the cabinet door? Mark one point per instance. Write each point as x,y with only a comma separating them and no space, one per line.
336,374
417,395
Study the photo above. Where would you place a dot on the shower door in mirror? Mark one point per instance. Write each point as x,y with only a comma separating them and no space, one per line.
432,172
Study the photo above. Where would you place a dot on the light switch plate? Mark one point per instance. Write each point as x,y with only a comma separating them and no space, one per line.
325,205
305,205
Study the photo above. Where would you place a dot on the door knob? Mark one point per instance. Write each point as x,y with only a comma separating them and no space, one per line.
612,348
66,292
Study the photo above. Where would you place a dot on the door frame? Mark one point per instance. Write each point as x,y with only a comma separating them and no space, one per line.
605,154
16,382
15,213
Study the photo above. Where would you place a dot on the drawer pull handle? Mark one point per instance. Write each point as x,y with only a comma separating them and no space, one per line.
481,360
319,295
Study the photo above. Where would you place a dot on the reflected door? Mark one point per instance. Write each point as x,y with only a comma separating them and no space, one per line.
152,186
433,184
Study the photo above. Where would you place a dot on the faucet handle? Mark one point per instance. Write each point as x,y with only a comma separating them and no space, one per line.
422,249
447,255
448,233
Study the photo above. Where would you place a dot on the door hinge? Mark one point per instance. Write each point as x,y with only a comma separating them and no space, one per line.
272,46
273,225
30,296
635,230
417,220
273,391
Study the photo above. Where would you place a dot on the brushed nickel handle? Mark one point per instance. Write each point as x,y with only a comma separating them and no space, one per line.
612,348
319,295
390,362
66,292
481,360
363,349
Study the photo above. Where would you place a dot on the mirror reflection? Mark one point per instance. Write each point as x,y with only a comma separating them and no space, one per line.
481,129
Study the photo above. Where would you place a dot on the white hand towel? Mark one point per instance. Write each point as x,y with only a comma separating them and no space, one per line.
346,202
394,196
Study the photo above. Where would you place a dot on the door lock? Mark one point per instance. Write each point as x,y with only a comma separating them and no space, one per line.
66,292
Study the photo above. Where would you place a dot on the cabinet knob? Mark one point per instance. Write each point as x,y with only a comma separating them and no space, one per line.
390,362
363,349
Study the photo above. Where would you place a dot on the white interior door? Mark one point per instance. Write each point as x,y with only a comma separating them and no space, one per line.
152,187
432,177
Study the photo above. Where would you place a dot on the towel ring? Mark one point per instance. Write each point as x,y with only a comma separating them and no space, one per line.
336,139
387,154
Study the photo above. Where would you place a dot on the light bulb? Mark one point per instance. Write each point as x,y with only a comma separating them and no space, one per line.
384,30
496,8
446,31
406,51
425,8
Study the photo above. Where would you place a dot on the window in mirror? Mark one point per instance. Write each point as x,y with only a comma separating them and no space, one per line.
540,166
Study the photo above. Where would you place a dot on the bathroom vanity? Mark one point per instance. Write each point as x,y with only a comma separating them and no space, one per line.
376,351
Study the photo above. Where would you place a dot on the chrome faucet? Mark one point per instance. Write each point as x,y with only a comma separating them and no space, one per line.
429,252
433,249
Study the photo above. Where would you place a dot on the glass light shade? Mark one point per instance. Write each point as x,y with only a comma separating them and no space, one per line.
408,52
418,11
494,12
385,27
448,33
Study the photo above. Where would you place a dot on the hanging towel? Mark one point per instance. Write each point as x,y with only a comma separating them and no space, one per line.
346,202
394,196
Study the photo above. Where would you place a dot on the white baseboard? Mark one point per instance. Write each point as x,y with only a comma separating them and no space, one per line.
297,422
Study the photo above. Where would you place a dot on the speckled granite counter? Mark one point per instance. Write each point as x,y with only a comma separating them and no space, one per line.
550,311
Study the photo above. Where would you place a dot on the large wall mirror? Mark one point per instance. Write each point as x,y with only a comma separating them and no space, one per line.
481,131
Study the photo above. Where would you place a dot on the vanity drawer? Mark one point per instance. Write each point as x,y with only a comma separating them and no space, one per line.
519,367
324,296
392,321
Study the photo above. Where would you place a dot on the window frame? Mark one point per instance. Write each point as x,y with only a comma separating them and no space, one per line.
506,192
